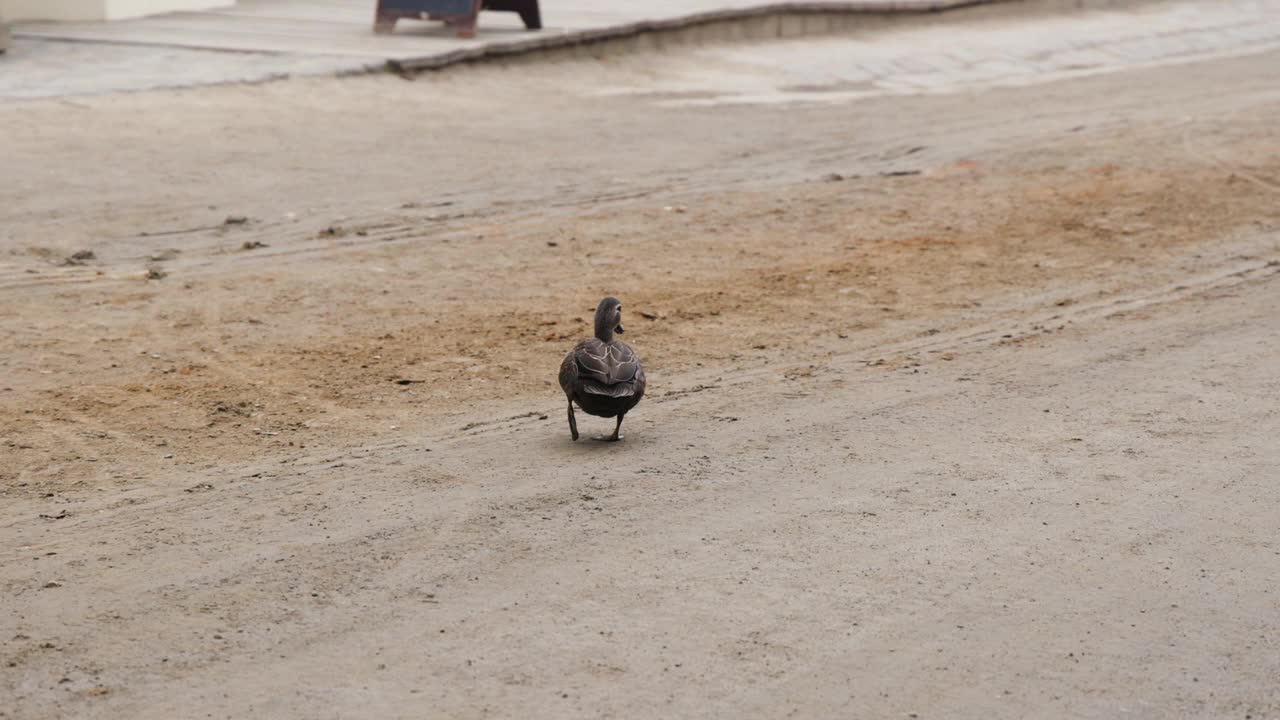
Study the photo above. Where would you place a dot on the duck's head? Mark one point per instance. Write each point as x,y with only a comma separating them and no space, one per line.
608,318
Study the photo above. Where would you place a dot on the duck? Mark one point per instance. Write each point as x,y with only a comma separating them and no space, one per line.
603,375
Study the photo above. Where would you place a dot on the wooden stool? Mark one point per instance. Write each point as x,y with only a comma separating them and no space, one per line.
458,14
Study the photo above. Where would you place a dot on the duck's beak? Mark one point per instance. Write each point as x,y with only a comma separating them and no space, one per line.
619,329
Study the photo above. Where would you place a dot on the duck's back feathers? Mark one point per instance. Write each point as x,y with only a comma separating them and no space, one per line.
607,370
610,363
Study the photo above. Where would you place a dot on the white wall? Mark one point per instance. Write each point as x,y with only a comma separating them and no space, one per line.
14,10
120,9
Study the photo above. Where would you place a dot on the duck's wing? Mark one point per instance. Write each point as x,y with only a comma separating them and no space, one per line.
569,372
607,368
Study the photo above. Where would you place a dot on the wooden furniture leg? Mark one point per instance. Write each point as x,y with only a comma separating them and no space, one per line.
461,15
384,21
529,12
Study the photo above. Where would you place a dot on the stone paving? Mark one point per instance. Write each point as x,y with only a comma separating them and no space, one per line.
262,39
35,68
343,27
936,57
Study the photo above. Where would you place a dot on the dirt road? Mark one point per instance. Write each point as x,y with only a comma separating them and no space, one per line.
982,427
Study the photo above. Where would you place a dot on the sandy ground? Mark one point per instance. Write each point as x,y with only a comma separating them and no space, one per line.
981,425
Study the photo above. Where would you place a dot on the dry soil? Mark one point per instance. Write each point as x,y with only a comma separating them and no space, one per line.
961,405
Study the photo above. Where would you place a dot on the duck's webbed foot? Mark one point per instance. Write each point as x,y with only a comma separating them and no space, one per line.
615,437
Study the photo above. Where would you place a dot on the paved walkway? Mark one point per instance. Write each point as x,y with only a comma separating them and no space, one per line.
951,56
261,39
343,27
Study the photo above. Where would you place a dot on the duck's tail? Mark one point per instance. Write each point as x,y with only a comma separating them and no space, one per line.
625,389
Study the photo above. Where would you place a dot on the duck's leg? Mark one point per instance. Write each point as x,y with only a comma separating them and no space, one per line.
573,422
615,437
